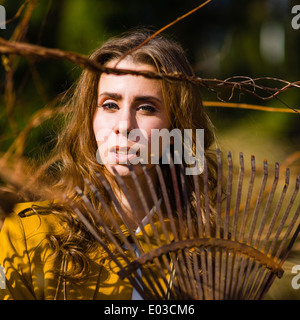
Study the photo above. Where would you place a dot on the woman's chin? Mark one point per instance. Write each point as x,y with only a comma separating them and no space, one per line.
123,170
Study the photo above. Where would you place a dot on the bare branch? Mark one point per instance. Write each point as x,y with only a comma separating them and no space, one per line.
244,84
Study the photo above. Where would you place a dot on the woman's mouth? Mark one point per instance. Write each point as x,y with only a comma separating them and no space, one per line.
123,155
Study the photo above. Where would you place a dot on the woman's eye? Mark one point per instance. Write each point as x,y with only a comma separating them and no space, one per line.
147,108
110,106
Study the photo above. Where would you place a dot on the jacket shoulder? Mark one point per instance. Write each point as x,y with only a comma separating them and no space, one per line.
25,209
25,251
31,220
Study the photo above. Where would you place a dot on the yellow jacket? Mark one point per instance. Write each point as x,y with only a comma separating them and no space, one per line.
26,255
29,265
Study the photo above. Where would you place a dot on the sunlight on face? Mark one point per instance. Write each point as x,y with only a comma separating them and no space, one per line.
129,107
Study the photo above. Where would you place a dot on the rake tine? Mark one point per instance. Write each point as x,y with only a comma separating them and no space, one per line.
111,217
287,234
267,207
264,243
219,193
270,277
216,283
125,190
173,227
98,238
284,218
250,275
100,221
258,282
167,202
156,261
266,284
147,210
239,286
238,198
291,243
92,210
186,203
116,203
177,199
145,206
192,269
94,232
199,294
218,225
139,189
116,225
228,278
226,254
162,223
127,244
155,200
223,272
198,202
228,196
209,284
210,273
246,278
140,225
251,283
172,280
258,203
172,223
249,194
200,225
234,235
206,200
187,285
200,232
203,256
236,274
190,272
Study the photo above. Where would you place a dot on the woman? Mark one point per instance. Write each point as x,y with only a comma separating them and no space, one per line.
46,251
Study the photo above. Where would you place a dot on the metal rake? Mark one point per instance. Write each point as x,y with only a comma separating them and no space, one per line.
181,254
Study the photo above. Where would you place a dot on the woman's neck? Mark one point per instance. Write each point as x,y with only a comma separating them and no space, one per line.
135,211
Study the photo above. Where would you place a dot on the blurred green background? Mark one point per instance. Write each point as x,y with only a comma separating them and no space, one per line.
225,38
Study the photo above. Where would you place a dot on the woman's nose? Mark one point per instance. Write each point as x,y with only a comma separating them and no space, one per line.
125,123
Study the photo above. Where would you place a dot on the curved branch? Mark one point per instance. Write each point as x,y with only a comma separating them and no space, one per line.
246,84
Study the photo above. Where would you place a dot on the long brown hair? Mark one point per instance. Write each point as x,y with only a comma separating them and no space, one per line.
76,147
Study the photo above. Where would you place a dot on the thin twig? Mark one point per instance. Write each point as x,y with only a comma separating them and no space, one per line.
162,29
247,106
16,16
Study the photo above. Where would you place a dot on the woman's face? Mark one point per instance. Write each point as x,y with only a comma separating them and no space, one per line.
129,107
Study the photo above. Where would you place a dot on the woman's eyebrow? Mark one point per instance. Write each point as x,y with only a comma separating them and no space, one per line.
111,95
141,98
147,98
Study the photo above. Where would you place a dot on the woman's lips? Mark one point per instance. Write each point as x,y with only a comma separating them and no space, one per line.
122,154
